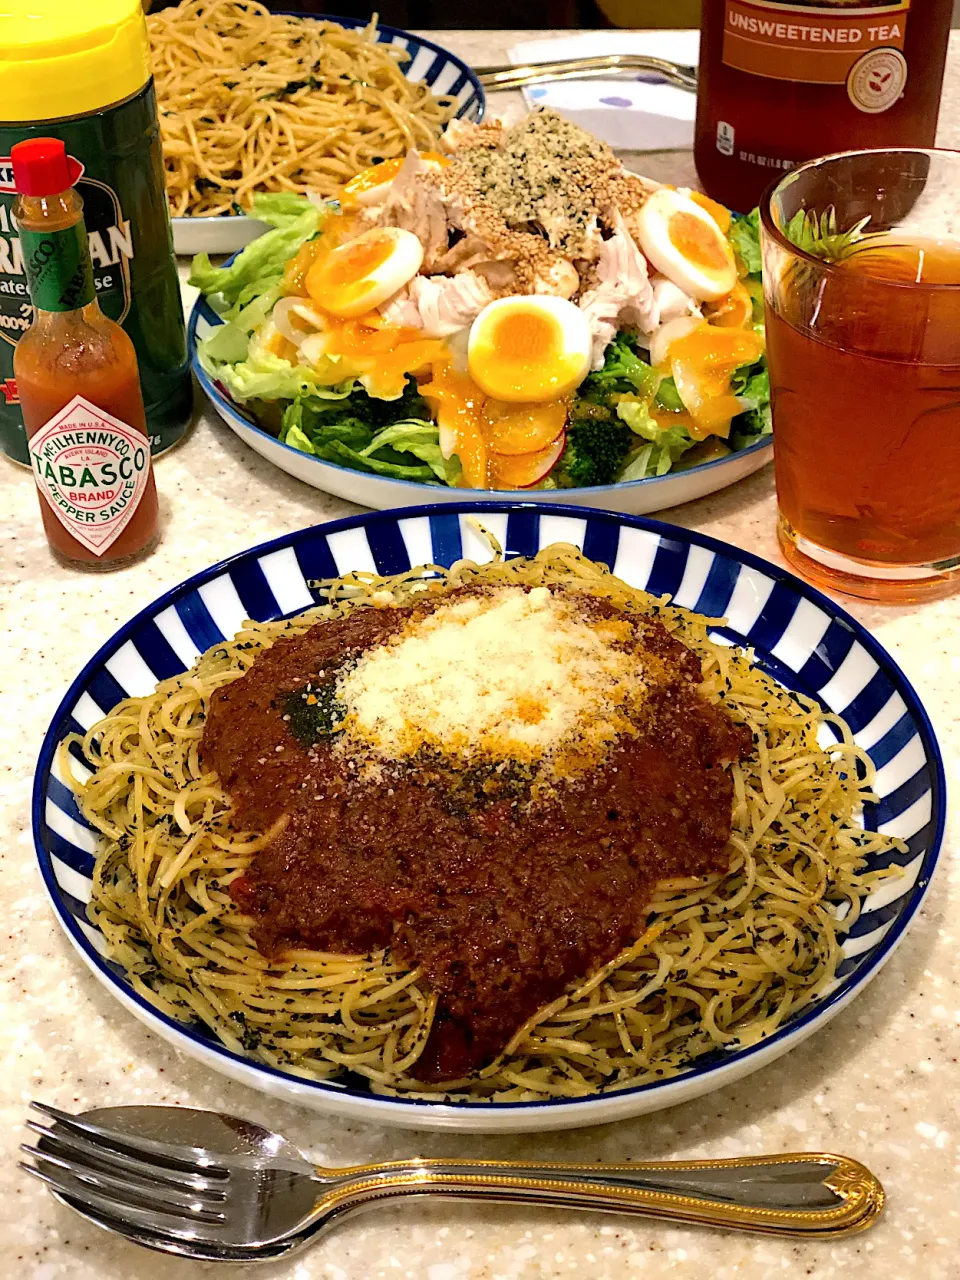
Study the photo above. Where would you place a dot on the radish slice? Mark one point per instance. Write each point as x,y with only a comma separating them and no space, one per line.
523,470
516,430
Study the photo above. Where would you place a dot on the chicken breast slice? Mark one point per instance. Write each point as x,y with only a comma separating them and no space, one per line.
416,203
439,305
671,300
622,294
459,135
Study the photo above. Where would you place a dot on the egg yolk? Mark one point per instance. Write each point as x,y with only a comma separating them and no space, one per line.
367,179
520,356
381,173
339,279
698,243
337,229
717,212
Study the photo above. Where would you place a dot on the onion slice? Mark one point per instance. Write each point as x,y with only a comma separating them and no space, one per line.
282,317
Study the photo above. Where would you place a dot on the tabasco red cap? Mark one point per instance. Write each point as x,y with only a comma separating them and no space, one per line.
41,167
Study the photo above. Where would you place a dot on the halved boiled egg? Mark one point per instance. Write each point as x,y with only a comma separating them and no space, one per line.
685,243
372,186
359,275
529,348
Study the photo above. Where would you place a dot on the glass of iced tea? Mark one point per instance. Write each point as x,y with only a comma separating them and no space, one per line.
861,265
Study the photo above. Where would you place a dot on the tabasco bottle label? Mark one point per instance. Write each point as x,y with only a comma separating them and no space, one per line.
58,268
833,42
92,470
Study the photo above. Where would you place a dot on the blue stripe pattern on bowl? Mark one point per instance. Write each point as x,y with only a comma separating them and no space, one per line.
800,636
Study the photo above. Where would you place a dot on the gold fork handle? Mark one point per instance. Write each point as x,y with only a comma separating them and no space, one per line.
515,77
808,1194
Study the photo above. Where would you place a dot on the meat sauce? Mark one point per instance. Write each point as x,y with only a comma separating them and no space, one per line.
500,898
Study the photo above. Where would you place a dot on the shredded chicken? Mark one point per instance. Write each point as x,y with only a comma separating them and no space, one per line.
417,203
671,301
459,135
439,305
540,208
622,294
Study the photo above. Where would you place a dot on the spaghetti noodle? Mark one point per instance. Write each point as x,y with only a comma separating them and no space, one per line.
251,101
723,960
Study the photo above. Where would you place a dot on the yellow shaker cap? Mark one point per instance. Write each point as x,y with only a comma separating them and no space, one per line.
69,57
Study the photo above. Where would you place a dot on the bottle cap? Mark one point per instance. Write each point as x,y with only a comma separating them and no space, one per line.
41,167
63,58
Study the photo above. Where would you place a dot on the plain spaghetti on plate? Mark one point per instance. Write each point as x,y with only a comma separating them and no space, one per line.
514,831
251,101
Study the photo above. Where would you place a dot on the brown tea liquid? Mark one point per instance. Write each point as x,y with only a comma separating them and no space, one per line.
866,405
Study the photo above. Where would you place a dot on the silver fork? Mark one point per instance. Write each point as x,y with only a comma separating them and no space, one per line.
508,76
213,1187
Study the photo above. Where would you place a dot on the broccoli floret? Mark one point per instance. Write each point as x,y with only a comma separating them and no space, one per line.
623,372
369,411
594,454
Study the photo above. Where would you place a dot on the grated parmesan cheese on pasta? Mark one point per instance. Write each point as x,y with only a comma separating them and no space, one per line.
512,674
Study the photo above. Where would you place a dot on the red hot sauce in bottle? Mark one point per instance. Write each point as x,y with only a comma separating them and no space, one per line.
76,372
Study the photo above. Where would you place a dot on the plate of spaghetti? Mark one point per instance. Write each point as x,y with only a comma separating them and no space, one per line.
488,817
253,102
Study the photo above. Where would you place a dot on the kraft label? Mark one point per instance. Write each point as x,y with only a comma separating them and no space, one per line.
860,47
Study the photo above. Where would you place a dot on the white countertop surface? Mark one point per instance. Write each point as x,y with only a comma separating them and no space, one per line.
881,1083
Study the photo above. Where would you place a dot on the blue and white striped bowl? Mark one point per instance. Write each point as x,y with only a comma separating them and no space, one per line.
800,636
429,64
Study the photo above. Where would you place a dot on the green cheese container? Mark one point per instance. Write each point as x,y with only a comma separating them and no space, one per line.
82,74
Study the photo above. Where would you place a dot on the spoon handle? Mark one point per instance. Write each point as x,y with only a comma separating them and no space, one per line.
811,1194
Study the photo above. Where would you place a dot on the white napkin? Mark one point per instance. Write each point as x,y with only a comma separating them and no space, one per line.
629,114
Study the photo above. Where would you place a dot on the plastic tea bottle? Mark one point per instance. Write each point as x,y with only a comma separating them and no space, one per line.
76,371
783,81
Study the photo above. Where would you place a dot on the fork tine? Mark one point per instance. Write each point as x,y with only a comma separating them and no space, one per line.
186,1159
156,1222
71,1146
126,1191
203,1250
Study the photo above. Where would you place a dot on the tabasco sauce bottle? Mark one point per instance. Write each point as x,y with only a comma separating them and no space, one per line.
782,81
76,371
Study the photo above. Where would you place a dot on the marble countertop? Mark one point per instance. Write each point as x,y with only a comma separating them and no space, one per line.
880,1084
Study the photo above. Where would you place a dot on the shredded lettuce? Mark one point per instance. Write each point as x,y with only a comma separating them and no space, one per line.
259,267
383,436
265,376
752,384
744,235
664,444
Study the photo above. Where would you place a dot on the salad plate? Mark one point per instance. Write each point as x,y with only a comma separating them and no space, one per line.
416,379
441,69
634,497
800,637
